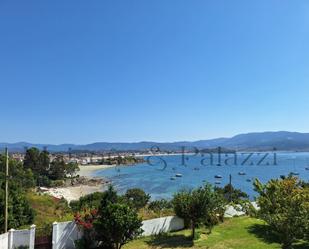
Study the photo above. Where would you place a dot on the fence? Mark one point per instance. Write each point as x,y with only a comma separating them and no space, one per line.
65,233
16,238
4,241
162,225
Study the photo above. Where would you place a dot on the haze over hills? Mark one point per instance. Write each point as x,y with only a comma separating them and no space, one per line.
282,140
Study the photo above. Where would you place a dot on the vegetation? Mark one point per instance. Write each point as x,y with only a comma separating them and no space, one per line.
284,206
48,209
111,226
232,194
91,201
46,172
19,211
198,206
234,233
160,205
37,169
136,198
117,224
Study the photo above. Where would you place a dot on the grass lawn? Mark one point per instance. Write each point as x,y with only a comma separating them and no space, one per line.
235,233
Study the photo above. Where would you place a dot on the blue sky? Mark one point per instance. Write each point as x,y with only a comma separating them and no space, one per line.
86,71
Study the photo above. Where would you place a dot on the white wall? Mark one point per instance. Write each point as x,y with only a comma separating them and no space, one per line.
162,225
22,238
4,241
64,235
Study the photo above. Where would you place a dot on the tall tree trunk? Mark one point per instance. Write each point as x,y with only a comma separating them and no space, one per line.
193,229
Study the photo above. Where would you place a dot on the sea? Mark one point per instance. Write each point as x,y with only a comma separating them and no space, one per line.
162,176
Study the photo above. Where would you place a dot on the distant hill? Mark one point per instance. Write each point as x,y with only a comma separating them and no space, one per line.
282,140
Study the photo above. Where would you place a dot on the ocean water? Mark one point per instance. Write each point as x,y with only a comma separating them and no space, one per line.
154,176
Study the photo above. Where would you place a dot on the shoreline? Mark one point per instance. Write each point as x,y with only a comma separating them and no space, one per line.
88,170
73,193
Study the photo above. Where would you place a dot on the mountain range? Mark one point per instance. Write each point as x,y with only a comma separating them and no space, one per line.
281,140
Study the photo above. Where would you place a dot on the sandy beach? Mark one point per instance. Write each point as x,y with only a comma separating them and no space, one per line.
75,192
89,170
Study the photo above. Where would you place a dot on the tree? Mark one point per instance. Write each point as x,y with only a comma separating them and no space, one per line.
39,163
197,205
57,169
85,222
232,194
159,205
71,169
284,205
117,224
20,179
32,160
137,198
91,201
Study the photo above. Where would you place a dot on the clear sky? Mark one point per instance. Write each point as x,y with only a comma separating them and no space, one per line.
86,71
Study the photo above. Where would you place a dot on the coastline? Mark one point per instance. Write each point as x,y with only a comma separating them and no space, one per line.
73,193
88,170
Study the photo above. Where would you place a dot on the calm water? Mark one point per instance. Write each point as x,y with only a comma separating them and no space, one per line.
155,179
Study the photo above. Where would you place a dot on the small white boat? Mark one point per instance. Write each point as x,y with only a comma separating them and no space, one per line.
248,180
217,182
172,178
294,173
178,175
242,173
218,176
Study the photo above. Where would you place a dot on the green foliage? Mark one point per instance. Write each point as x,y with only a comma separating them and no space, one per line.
57,169
232,194
113,225
198,205
48,209
159,205
20,179
19,210
117,225
21,176
235,233
71,169
284,205
137,198
91,201
45,171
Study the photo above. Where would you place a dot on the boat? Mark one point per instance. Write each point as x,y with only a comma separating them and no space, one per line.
242,173
173,178
307,168
218,176
219,164
178,175
248,180
294,173
196,168
217,182
173,168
